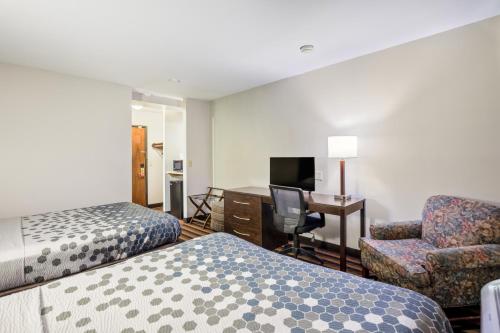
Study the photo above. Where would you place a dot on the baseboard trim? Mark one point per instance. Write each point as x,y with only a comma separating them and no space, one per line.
155,205
330,246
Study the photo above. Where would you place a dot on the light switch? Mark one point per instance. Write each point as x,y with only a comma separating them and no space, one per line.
190,163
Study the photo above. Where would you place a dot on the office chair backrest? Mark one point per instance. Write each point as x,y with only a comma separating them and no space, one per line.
289,209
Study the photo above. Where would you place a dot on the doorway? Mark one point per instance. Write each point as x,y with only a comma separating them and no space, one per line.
161,149
139,162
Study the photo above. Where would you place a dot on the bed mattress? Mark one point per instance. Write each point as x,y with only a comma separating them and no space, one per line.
46,246
218,283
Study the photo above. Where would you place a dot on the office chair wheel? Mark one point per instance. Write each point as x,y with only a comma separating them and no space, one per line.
286,249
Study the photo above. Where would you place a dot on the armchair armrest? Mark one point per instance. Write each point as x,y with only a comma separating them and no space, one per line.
465,257
397,230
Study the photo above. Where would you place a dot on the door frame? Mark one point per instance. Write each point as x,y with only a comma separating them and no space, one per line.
146,160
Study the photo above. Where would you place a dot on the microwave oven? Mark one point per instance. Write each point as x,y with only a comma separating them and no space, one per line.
177,165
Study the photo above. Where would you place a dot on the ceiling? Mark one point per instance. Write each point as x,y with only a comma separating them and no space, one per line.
215,47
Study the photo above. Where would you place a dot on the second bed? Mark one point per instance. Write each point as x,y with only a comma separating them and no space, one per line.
42,247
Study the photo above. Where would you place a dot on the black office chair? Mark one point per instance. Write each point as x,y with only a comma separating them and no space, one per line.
290,215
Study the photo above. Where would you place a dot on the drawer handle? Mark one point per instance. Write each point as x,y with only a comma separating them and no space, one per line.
241,202
241,218
240,233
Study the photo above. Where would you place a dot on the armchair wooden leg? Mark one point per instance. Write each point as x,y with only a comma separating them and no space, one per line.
365,272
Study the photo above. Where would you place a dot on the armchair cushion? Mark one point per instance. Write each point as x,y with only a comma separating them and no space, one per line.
397,230
401,259
461,258
452,222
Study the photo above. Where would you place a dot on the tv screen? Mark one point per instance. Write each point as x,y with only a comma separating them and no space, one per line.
293,172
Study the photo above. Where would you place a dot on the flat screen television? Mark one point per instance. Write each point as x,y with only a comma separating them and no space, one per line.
293,172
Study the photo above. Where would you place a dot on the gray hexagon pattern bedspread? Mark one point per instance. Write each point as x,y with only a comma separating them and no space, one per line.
62,243
219,283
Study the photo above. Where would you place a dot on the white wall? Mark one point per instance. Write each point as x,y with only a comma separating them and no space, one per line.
153,120
174,146
64,142
198,148
427,115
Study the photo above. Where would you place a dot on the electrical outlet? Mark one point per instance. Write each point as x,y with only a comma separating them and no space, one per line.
318,176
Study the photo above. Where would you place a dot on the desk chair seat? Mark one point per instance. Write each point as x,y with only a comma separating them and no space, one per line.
290,215
313,221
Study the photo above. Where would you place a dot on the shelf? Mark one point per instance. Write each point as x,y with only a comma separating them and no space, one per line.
158,145
175,173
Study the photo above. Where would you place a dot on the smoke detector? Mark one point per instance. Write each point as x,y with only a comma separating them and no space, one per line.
308,48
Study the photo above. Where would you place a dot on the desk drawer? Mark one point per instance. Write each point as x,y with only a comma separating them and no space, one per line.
243,216
249,235
242,203
251,225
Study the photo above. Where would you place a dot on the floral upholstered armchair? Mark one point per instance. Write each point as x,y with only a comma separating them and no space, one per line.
448,255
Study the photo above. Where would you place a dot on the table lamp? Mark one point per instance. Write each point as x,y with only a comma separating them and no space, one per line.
342,147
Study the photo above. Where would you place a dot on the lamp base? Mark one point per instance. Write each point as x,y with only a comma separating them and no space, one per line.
342,197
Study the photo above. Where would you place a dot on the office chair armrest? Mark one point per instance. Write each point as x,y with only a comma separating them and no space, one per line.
322,215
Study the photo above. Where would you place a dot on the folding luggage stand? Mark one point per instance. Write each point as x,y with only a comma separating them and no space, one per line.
203,204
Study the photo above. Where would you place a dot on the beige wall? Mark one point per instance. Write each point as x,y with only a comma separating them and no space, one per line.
198,149
427,115
64,142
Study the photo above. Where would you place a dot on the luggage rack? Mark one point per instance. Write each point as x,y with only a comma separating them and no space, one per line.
203,203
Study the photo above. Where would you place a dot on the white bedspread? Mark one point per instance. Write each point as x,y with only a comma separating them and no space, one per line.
22,313
11,253
218,283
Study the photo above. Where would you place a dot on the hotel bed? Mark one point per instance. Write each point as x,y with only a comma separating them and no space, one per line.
41,247
218,283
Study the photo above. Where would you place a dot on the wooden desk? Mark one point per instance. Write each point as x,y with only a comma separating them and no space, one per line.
245,215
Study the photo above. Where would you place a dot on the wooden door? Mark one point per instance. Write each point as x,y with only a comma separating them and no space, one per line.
139,166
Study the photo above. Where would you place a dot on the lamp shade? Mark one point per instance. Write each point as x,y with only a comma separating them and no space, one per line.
342,146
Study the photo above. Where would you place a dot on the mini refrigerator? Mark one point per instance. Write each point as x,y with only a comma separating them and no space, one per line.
176,198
